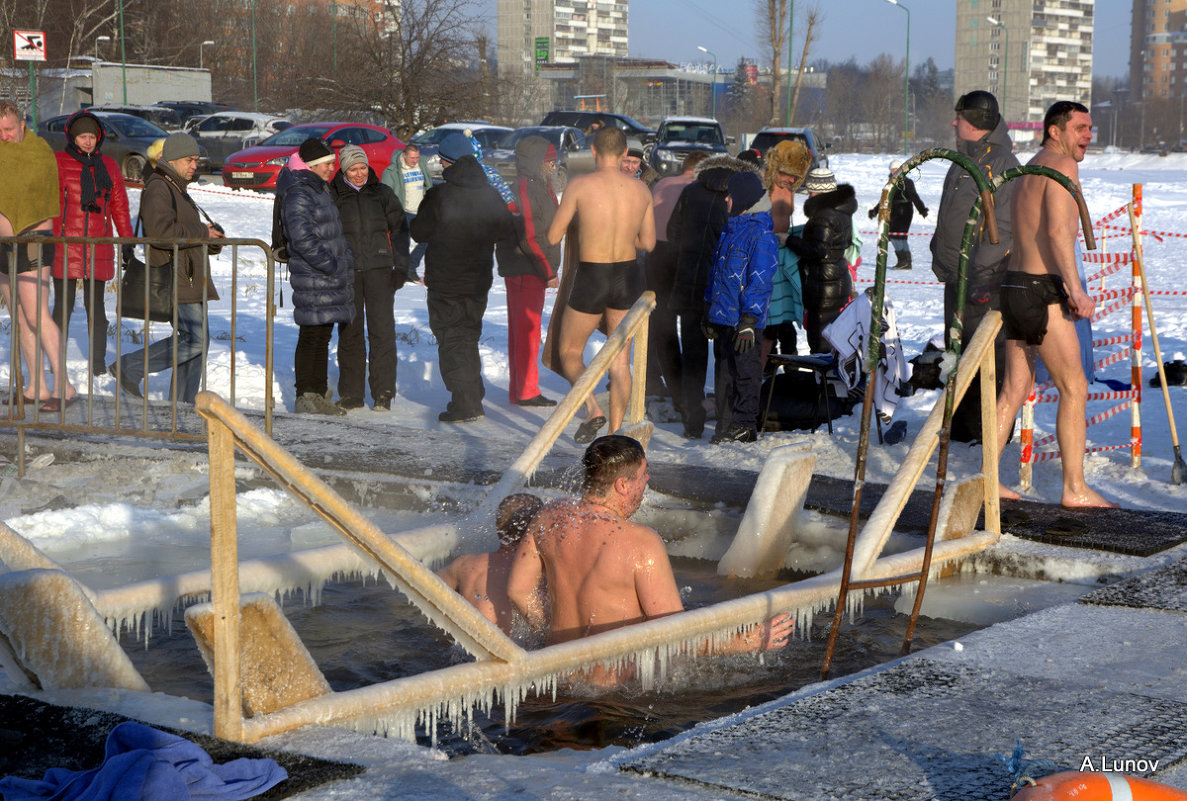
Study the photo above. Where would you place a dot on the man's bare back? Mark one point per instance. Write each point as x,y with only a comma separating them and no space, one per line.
1043,273
481,578
613,212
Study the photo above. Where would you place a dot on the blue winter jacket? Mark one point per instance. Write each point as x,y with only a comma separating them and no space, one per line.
743,270
321,266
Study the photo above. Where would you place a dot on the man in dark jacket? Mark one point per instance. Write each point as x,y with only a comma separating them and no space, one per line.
321,269
529,267
377,232
693,230
461,220
168,212
824,273
981,135
902,211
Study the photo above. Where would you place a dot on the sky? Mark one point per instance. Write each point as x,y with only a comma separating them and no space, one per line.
672,29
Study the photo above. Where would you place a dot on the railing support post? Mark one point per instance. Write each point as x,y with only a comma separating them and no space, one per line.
224,590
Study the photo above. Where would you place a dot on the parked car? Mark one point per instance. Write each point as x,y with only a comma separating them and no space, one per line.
229,132
125,138
192,108
573,154
767,138
161,116
679,136
489,136
584,119
256,167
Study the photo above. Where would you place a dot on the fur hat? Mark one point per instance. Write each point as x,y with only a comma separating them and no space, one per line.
314,151
83,123
820,180
179,146
350,156
744,189
455,146
790,156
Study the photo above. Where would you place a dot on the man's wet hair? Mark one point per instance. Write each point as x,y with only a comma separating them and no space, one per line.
1060,112
610,141
608,459
515,516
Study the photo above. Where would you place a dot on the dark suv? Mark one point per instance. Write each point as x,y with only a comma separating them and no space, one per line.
584,119
679,136
767,138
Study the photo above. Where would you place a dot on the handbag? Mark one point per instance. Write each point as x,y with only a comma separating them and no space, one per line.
159,289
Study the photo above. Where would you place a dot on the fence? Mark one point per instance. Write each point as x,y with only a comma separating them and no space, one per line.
98,411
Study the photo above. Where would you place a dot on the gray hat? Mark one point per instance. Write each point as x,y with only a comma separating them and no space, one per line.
179,146
350,156
820,180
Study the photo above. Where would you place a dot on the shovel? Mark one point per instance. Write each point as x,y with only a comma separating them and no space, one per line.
1178,470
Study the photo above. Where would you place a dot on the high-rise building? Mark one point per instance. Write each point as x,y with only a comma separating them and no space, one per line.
558,32
1029,53
1158,49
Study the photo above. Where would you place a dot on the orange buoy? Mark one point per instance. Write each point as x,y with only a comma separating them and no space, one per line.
1091,786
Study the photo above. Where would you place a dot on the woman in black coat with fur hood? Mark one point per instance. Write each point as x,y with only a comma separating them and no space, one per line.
824,272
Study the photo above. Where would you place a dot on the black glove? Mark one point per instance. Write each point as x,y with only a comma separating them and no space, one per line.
924,213
744,334
708,329
978,297
399,277
873,212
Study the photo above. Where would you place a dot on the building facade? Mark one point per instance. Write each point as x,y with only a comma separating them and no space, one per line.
1158,49
558,32
1029,53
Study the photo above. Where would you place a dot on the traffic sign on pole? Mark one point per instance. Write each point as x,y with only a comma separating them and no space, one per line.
28,45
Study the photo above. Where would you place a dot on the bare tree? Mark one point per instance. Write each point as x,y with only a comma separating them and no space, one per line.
772,35
814,16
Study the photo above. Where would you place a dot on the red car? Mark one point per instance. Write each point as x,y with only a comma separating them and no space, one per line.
256,167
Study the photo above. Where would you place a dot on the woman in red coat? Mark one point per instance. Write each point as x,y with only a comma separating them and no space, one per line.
93,200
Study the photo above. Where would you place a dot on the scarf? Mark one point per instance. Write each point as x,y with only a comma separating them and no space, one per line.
94,182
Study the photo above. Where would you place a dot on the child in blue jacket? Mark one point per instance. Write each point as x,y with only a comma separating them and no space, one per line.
738,294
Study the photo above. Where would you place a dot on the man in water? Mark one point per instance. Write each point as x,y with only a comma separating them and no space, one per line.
481,578
1041,297
603,571
614,220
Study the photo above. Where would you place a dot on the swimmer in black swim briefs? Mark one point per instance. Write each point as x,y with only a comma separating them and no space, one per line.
1025,302
598,286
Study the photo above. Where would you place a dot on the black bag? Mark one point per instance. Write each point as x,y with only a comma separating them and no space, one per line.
160,291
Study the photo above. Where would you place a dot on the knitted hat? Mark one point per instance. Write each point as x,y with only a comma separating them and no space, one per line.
350,156
979,108
179,146
550,153
314,151
895,164
454,147
744,189
83,123
820,180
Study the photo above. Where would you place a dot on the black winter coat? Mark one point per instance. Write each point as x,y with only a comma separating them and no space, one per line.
461,220
533,255
321,266
694,228
374,223
902,209
824,273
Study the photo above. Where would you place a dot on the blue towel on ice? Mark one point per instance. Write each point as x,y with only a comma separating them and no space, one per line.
144,763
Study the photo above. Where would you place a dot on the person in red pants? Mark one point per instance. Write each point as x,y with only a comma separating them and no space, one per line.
529,267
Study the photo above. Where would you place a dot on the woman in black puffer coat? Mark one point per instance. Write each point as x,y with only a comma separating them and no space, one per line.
824,273
377,231
321,269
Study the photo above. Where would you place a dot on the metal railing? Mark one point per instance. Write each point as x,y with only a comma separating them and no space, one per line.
102,413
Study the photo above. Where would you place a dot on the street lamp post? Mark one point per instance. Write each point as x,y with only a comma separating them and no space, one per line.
713,86
1006,73
207,43
906,76
97,40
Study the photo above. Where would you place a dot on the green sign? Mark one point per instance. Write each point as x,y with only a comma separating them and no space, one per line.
542,50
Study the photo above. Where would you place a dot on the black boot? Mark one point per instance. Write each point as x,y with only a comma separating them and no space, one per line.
903,261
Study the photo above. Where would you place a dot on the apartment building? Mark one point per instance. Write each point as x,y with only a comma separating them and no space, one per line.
558,32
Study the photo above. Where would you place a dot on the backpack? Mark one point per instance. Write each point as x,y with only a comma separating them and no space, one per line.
280,243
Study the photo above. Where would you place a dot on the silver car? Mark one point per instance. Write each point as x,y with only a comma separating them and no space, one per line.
573,153
487,135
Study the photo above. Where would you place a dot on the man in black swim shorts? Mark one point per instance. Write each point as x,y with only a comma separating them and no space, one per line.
1024,299
598,286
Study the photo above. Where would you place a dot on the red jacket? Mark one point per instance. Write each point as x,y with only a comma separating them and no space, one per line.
76,222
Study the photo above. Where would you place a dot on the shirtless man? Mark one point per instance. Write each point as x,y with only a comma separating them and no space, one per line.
603,571
614,220
1041,297
481,578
